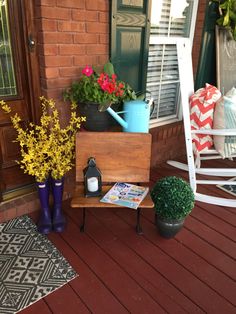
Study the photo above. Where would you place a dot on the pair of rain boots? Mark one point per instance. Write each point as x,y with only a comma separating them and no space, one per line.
51,220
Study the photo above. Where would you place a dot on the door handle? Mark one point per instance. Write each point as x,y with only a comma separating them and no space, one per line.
31,42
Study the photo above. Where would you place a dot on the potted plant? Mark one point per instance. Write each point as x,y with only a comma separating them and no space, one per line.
94,89
47,153
173,200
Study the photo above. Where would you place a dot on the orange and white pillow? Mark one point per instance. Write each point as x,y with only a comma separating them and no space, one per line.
202,105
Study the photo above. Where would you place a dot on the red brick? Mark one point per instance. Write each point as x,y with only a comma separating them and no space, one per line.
104,39
98,49
99,28
10,214
54,93
103,59
86,38
98,5
56,83
22,210
70,72
71,49
48,50
55,13
50,3
55,38
71,26
5,206
57,61
2,216
50,73
85,60
47,25
103,17
80,4
82,15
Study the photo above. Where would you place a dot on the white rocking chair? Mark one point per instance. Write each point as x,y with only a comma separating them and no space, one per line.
187,89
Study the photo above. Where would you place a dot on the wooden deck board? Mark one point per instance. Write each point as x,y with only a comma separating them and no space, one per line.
88,285
38,307
133,264
122,272
143,248
175,268
133,297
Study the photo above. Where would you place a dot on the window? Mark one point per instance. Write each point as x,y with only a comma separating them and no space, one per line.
172,21
7,75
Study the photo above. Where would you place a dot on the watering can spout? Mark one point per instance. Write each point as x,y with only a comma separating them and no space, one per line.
121,121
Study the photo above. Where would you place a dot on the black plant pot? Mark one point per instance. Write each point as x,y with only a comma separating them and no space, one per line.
168,228
95,120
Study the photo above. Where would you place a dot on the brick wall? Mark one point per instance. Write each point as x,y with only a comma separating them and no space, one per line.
71,34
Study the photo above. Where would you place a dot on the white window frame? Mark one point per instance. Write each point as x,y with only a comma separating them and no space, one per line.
159,40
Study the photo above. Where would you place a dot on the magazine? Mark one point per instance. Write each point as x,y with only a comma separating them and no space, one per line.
126,195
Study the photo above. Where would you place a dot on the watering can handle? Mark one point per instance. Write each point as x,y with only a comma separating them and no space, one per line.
151,103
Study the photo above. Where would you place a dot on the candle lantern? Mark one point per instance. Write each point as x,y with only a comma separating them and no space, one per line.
92,179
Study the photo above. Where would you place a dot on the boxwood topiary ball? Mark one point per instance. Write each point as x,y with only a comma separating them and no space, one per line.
173,198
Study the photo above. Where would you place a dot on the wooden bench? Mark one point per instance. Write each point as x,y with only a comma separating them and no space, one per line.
121,157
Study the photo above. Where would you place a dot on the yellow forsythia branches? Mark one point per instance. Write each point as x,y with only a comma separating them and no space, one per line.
46,149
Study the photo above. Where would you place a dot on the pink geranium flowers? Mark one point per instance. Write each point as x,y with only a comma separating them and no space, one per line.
99,88
88,71
110,85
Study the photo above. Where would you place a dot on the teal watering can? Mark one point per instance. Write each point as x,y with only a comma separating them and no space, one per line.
136,115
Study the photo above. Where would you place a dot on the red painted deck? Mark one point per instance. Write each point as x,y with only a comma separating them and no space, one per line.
122,272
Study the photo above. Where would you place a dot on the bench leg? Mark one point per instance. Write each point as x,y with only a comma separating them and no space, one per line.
138,226
83,223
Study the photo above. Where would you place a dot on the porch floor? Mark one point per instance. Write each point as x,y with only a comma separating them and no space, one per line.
122,272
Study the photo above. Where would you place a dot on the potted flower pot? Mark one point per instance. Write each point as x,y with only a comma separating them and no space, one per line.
173,200
95,120
93,90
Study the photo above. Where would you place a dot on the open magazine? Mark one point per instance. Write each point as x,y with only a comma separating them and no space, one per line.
126,195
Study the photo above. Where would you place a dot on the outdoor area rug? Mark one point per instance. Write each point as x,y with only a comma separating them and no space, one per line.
231,189
30,265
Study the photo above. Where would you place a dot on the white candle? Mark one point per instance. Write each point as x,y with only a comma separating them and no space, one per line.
92,184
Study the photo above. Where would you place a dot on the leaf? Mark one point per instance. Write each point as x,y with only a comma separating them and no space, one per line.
226,19
232,15
109,68
220,20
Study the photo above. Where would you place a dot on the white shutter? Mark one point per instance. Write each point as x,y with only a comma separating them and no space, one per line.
169,24
163,79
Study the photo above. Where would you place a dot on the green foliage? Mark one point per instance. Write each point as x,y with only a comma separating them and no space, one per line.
227,9
173,198
109,68
103,88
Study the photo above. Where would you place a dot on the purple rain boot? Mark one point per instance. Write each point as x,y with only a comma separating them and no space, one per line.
45,219
58,219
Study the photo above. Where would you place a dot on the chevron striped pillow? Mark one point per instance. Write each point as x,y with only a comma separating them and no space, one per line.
202,104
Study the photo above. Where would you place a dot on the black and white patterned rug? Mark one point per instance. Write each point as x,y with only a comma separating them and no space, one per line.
30,265
231,189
